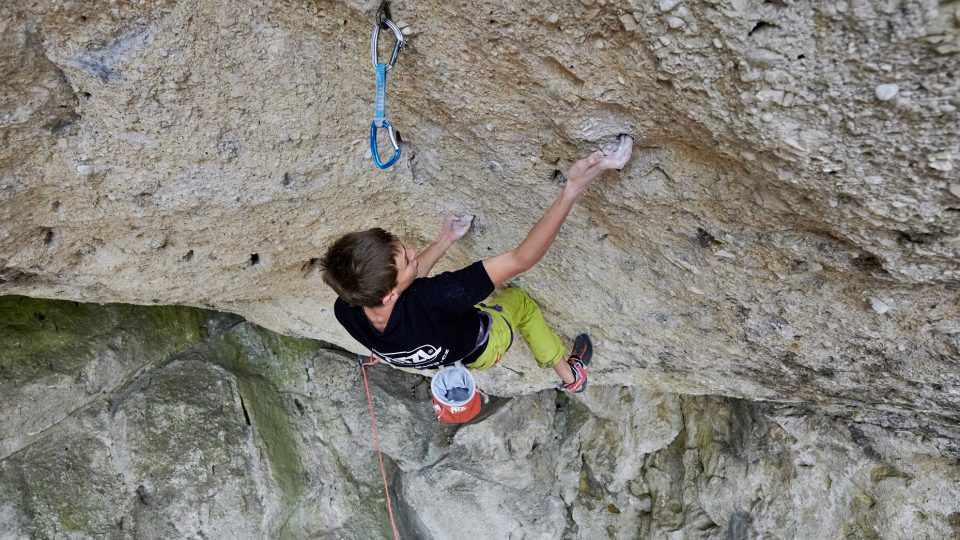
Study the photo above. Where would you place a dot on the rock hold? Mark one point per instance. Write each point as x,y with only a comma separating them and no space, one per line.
879,306
667,5
886,92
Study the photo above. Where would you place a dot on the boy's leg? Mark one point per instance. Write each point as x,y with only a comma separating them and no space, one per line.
514,309
525,316
565,372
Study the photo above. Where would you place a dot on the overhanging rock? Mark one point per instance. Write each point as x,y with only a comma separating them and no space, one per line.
787,229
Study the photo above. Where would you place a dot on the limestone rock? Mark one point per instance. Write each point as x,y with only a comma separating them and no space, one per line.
153,160
205,153
251,434
886,92
168,457
98,349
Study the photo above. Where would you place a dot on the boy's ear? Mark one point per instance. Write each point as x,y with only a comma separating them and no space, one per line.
390,298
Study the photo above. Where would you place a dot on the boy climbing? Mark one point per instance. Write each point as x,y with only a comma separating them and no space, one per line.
387,303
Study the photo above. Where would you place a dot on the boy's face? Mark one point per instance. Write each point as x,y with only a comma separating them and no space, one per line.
406,261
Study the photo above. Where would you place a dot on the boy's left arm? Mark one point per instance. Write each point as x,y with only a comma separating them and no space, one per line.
454,227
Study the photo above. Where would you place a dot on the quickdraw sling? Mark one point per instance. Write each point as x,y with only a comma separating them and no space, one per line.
380,114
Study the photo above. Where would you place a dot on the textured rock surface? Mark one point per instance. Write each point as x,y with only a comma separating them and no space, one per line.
59,357
169,459
251,434
787,230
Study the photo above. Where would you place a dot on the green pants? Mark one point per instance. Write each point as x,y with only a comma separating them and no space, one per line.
514,309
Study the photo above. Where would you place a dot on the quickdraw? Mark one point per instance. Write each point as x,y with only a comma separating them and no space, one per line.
380,115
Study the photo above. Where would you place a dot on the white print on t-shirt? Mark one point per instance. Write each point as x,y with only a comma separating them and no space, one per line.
422,356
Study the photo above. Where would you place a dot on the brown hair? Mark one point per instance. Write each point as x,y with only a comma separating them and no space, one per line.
360,266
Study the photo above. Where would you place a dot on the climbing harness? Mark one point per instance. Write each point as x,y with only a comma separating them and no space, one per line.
380,115
456,398
376,437
489,312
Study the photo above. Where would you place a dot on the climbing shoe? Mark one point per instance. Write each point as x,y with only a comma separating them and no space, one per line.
579,360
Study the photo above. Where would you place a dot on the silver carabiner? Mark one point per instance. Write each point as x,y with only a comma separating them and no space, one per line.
376,36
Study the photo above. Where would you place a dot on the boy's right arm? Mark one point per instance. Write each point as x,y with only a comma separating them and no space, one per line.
507,265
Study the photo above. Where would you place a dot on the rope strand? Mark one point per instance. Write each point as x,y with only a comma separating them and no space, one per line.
376,438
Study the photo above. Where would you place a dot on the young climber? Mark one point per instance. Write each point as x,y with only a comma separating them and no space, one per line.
387,303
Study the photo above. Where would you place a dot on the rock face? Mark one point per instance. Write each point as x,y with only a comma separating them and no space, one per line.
787,230
95,350
250,434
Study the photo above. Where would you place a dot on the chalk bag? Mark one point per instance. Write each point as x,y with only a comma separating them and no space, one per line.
456,398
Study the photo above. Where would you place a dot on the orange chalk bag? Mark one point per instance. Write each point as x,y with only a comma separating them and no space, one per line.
456,398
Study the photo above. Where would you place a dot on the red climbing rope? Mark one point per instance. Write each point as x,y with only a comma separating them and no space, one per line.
376,438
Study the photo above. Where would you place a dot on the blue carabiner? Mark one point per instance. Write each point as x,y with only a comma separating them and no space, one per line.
373,145
380,115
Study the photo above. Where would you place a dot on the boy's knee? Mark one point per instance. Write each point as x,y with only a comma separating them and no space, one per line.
517,306
517,295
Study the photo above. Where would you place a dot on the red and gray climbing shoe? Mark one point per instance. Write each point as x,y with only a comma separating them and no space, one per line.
579,360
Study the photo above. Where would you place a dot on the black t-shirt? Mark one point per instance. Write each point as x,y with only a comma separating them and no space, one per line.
433,323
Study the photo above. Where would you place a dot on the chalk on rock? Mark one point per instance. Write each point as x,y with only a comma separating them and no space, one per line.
879,306
617,145
948,327
494,166
941,161
886,92
667,5
675,22
85,170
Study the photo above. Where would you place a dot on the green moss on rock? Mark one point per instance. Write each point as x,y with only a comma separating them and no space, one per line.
180,413
67,486
885,470
248,349
277,429
268,368
39,337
